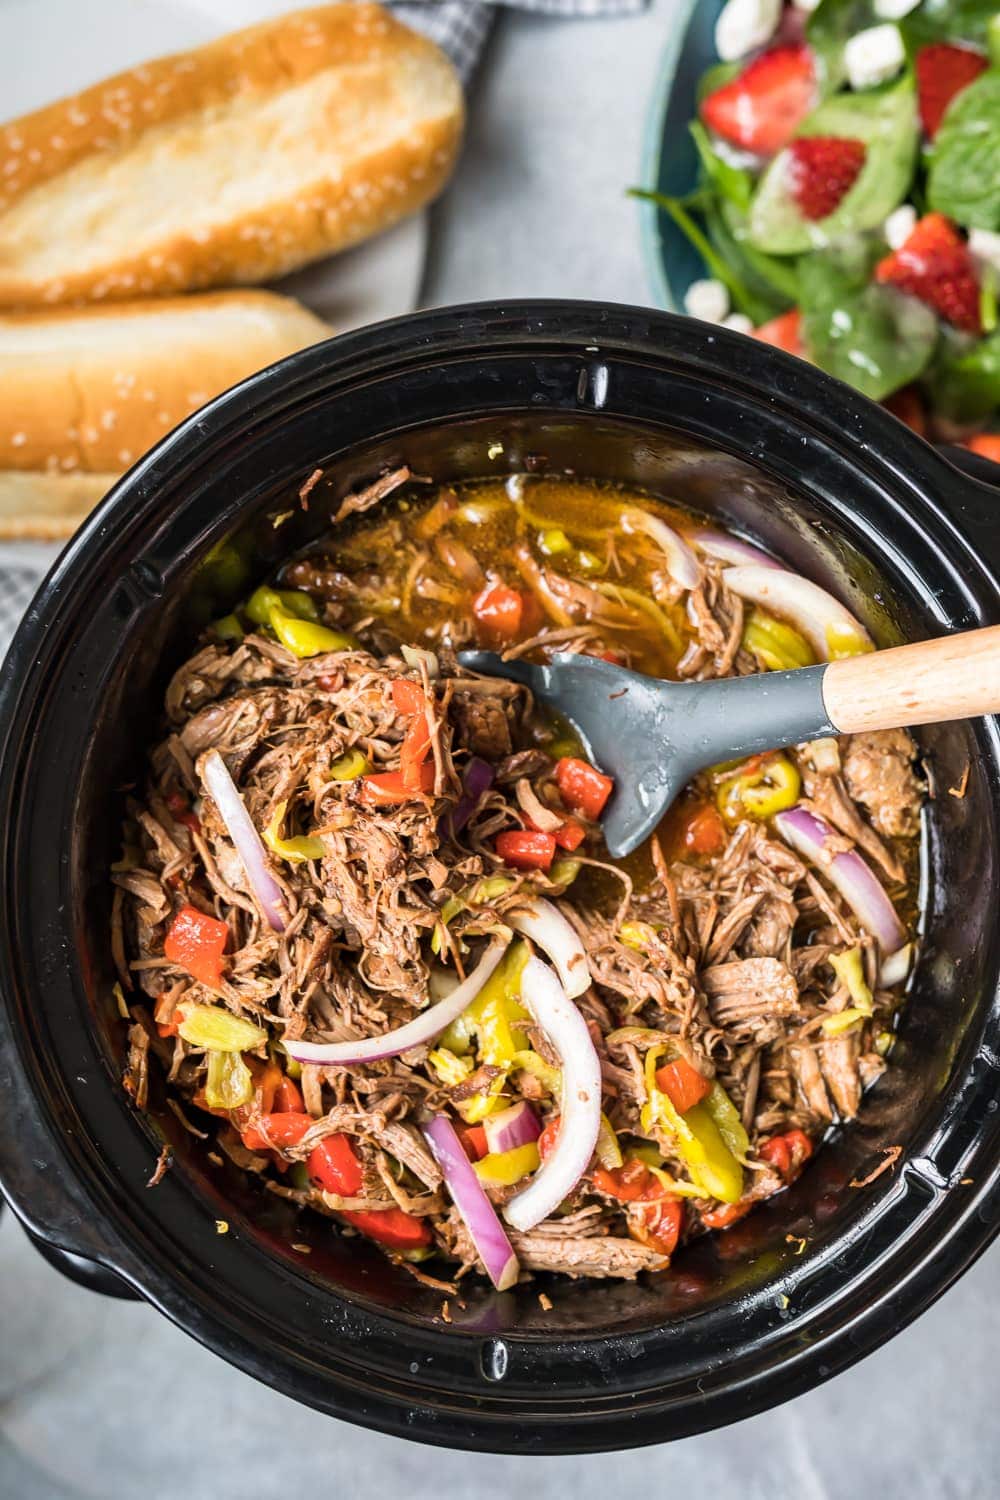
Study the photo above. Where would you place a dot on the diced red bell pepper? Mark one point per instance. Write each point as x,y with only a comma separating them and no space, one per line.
787,1153
196,943
288,1097
657,1219
524,849
180,811
390,1226
704,832
549,1136
500,610
627,1183
277,1131
473,1138
407,697
334,1166
583,788
570,835
389,789
683,1085
726,1214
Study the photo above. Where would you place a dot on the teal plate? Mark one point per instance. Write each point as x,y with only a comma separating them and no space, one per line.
669,158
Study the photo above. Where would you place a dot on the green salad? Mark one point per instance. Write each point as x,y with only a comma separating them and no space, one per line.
848,201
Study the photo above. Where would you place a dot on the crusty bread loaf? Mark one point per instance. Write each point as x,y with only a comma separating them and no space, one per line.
92,388
233,163
47,507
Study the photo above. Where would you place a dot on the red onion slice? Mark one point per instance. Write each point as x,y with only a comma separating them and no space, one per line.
416,1033
240,826
731,549
829,628
860,888
549,930
896,968
476,782
682,562
488,1236
513,1127
566,1029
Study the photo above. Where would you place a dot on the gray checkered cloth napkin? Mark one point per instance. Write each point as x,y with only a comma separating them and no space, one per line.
461,28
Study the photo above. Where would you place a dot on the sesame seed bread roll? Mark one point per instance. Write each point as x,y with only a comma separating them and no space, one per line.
85,391
232,163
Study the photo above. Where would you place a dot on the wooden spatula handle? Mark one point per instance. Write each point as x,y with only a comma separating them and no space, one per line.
954,677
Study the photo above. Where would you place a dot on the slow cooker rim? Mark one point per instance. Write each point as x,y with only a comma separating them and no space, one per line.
146,476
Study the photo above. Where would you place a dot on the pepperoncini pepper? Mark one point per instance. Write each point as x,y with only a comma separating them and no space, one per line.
295,850
778,646
294,618
700,1141
504,1168
229,1082
768,787
496,1010
349,766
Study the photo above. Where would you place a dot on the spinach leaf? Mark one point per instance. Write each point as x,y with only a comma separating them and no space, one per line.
732,183
886,120
964,180
774,277
964,380
716,264
949,20
828,29
870,335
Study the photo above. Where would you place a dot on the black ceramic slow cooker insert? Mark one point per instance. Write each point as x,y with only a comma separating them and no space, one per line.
766,445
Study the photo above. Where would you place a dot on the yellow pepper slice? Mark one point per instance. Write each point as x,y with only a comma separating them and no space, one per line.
727,1119
229,1082
218,1030
564,872
228,628
549,1077
700,1142
554,541
305,638
296,850
448,1066
478,1106
777,646
842,641
264,601
607,1150
504,1168
844,1020
349,766
496,1010
850,971
768,789
637,935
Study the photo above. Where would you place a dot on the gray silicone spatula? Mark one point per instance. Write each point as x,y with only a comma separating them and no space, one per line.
652,736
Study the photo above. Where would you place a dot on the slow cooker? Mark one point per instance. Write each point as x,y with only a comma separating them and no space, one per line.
741,1321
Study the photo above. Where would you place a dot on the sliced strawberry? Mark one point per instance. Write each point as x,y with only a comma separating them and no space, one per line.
783,332
762,108
935,264
943,71
821,169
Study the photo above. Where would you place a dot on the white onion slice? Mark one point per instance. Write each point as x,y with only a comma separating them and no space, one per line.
731,549
546,926
240,826
416,1033
488,1235
860,887
828,627
682,563
896,968
580,1122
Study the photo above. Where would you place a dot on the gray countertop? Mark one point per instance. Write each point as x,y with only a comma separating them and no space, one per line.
106,1399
